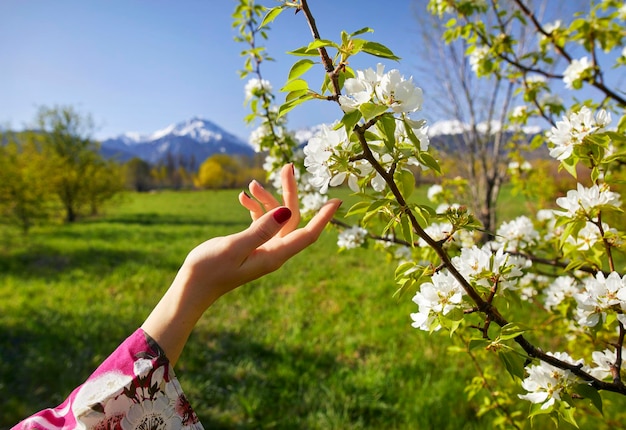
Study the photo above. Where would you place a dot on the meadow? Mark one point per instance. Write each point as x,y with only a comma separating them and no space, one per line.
320,344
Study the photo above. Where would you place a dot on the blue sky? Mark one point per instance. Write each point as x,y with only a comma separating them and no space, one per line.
139,65
142,65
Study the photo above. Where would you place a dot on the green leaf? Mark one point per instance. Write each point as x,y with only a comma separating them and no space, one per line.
569,165
407,229
588,392
535,409
322,43
452,320
514,364
600,139
429,161
567,414
361,31
304,51
299,68
271,16
406,182
371,110
379,50
621,125
537,141
478,343
387,125
511,331
295,85
286,107
357,208
350,119
412,137
295,94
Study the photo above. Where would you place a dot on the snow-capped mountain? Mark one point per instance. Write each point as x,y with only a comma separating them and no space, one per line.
443,134
195,139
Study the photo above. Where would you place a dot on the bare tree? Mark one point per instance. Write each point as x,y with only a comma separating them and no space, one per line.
476,108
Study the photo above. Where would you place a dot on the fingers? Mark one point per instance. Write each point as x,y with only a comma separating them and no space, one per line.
256,211
290,198
261,230
260,200
267,200
274,253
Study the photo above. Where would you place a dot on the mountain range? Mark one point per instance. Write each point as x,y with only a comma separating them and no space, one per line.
196,139
193,140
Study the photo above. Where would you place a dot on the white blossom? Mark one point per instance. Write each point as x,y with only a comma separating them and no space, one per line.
559,290
547,217
603,118
527,285
403,253
545,383
477,56
434,298
388,89
358,91
604,361
437,231
318,153
312,202
550,27
535,80
400,94
584,200
523,167
572,130
517,234
480,264
621,13
575,71
419,128
255,87
598,295
270,164
434,191
587,236
445,207
519,111
544,215
352,237
551,100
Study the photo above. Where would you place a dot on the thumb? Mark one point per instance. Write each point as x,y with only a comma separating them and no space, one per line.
264,228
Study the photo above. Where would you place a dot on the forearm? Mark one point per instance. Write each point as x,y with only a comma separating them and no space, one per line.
171,321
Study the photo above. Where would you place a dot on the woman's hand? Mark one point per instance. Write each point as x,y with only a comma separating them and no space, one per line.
224,263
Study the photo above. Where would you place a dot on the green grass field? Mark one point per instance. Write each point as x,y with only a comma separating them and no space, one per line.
320,344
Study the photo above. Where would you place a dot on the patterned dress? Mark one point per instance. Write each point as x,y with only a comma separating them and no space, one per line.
134,388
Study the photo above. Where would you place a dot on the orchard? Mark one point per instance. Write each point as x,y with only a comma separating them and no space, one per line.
542,297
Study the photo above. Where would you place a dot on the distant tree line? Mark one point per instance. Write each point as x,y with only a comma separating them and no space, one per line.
218,171
55,171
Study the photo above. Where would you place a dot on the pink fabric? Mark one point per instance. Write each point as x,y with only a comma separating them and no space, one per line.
134,388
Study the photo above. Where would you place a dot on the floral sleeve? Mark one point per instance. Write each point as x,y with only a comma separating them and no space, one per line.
134,388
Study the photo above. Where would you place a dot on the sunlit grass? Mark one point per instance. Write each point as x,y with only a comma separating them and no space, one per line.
320,344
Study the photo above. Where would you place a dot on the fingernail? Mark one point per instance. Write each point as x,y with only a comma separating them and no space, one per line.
293,169
245,194
281,215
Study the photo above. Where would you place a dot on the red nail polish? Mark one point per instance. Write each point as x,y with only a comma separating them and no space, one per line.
281,215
